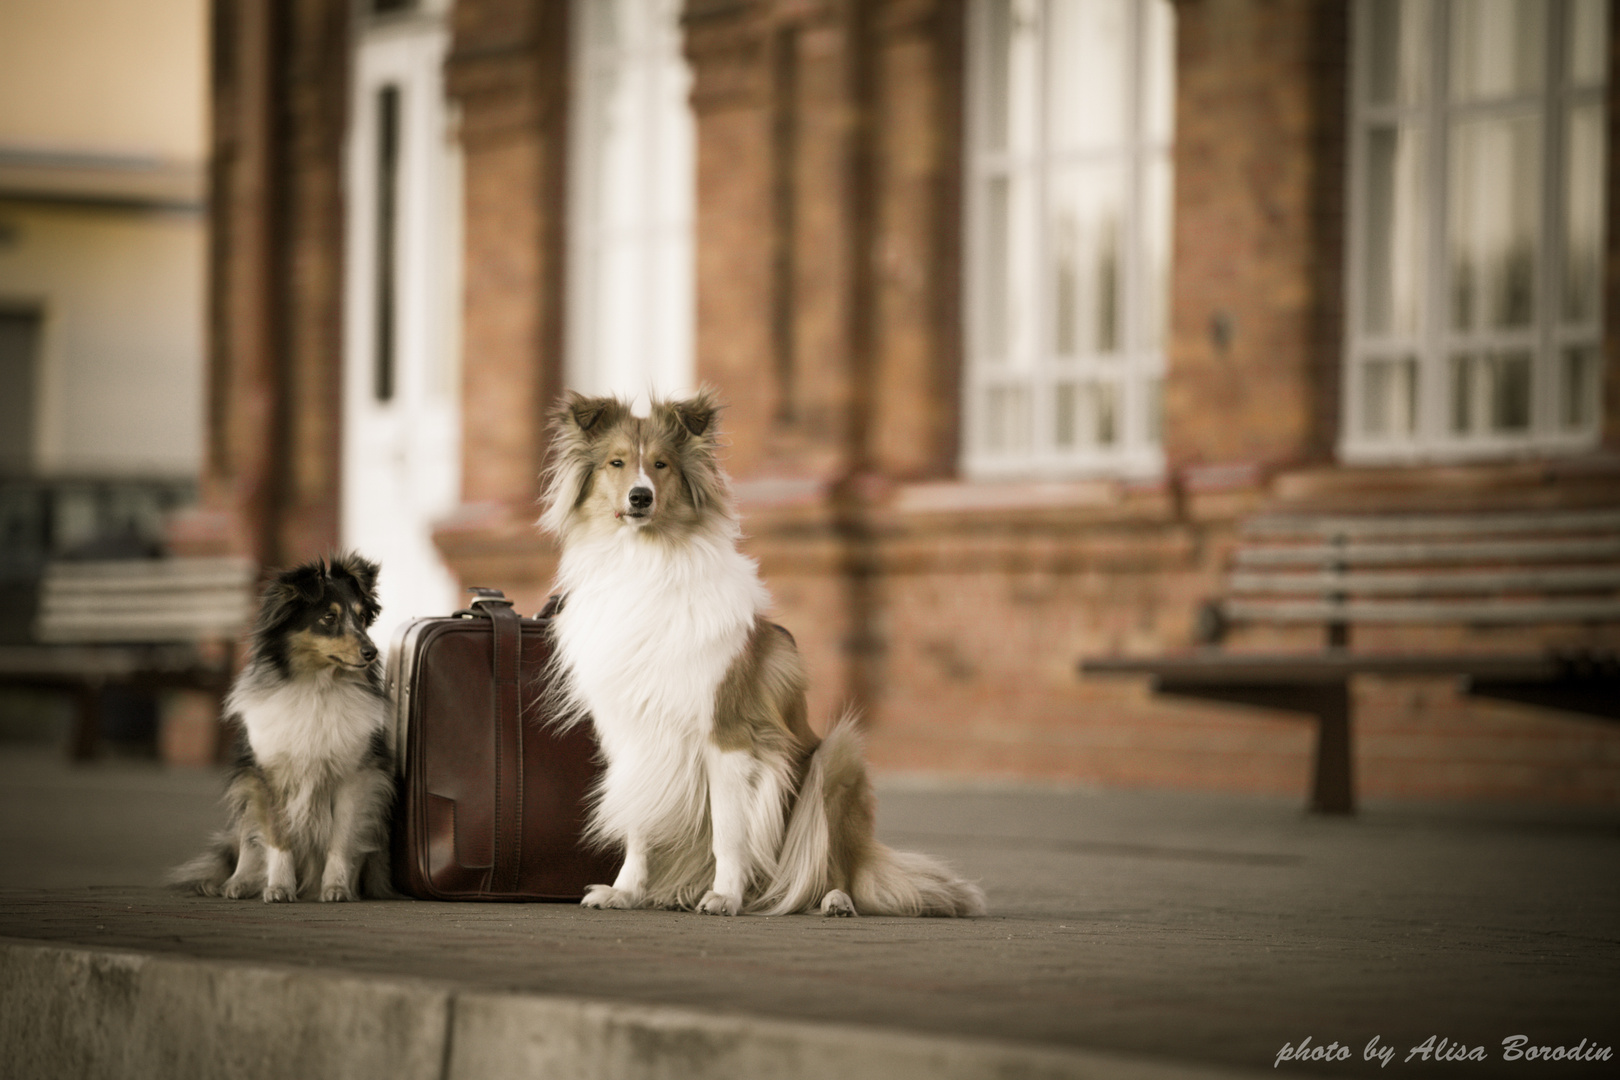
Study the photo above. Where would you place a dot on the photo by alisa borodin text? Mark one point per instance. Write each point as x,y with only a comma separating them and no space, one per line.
1435,1049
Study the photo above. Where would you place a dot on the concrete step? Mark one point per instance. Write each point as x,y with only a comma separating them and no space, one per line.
80,1012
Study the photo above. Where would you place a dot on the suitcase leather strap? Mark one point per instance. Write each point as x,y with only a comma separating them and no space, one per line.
508,655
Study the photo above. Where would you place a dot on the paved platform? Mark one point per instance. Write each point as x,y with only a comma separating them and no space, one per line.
1130,935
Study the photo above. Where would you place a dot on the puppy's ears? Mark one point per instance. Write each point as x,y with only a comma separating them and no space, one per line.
690,419
587,418
288,591
364,573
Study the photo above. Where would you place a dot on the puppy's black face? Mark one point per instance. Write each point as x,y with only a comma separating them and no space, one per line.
315,617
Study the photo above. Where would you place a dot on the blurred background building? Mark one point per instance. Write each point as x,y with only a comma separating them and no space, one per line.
1020,307
103,260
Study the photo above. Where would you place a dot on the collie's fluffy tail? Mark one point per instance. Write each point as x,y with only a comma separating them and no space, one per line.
207,873
829,846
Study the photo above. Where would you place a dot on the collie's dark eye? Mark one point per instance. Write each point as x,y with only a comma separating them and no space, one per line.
659,465
616,463
329,619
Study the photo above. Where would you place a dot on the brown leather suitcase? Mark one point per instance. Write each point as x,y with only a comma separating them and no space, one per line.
491,799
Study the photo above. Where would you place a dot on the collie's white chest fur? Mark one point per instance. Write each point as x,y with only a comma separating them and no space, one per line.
644,640
649,629
312,725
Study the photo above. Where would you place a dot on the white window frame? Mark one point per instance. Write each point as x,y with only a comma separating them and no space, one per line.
1433,344
635,338
1136,367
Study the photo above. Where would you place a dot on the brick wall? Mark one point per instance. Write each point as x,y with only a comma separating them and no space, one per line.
828,266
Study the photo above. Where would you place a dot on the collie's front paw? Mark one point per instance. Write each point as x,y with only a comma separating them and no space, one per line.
337,894
837,903
606,896
278,894
714,903
238,890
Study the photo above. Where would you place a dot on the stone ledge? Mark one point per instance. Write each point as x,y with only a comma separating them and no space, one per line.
84,1012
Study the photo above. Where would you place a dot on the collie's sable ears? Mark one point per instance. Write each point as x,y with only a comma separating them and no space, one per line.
313,781
720,794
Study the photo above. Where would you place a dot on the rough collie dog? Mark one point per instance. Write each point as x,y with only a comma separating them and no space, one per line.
310,793
719,793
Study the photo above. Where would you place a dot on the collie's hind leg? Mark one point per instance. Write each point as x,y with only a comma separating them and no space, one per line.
248,877
626,890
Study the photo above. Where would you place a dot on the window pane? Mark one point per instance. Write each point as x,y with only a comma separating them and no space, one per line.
1398,52
1085,73
1105,413
1463,381
1495,206
1085,231
1010,63
1510,392
1497,48
1588,42
1396,224
1007,281
1583,213
1579,387
1006,420
1065,421
1389,397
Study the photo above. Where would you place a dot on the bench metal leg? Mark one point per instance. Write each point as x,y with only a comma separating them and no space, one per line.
86,721
1332,788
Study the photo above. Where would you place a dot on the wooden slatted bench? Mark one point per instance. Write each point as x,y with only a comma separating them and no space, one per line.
146,623
1340,572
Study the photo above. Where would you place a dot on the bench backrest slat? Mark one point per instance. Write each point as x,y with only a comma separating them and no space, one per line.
145,601
1473,569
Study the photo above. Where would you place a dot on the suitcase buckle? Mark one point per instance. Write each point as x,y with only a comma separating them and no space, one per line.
482,595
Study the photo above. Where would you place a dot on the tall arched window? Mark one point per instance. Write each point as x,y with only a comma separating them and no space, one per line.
1068,234
1477,177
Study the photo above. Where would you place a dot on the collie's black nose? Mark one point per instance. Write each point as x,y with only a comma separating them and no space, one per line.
368,652
640,498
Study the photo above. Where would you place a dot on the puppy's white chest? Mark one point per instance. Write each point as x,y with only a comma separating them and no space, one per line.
305,728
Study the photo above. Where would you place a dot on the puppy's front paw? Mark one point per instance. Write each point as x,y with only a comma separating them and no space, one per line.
207,888
278,894
838,904
606,896
337,894
238,890
714,903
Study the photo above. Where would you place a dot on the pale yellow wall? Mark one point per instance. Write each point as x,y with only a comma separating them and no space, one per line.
112,76
105,85
122,294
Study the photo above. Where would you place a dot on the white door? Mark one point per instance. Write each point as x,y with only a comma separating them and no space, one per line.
402,437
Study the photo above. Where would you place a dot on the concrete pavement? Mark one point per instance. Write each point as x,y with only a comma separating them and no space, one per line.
1131,934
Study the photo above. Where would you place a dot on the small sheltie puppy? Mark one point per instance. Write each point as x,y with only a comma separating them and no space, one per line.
721,796
313,782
